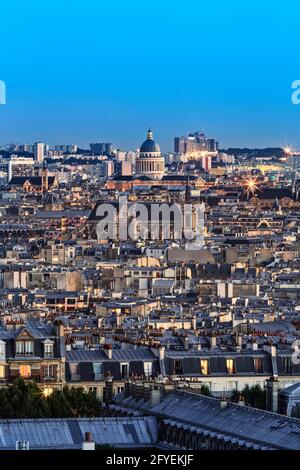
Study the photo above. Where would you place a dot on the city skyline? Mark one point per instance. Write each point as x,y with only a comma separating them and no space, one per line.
108,72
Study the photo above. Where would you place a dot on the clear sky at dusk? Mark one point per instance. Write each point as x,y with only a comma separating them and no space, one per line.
85,71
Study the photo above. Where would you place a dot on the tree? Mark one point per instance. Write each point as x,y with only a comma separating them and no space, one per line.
204,390
254,396
26,400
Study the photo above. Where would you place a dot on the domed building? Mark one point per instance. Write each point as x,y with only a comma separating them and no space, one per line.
150,161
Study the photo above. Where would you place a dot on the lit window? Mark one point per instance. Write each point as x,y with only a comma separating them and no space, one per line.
47,392
230,366
2,372
25,371
204,367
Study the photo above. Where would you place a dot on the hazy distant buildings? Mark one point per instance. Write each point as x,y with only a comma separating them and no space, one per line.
102,147
66,148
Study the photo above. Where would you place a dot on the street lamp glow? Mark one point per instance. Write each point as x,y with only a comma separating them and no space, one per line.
287,150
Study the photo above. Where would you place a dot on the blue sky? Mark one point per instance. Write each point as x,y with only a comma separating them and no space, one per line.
80,72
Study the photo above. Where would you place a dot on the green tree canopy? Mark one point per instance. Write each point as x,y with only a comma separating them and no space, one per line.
26,400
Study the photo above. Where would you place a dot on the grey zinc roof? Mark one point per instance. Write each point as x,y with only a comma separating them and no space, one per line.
69,433
240,422
81,355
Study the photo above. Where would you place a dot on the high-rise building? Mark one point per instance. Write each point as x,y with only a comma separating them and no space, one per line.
108,168
72,148
39,152
123,168
195,143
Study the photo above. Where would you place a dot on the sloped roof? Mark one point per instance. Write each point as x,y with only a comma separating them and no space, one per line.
70,433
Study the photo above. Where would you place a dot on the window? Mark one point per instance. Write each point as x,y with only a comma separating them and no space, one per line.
49,371
20,347
74,370
230,366
98,371
148,369
48,349
204,367
287,365
124,371
25,371
232,386
258,365
28,347
2,372
178,367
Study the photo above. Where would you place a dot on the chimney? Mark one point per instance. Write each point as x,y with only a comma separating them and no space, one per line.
155,396
88,443
147,392
213,341
108,350
272,394
241,401
271,349
138,390
161,353
223,403
108,390
59,329
239,340
127,389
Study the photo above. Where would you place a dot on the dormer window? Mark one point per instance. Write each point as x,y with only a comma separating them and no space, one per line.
24,348
28,347
48,348
20,347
